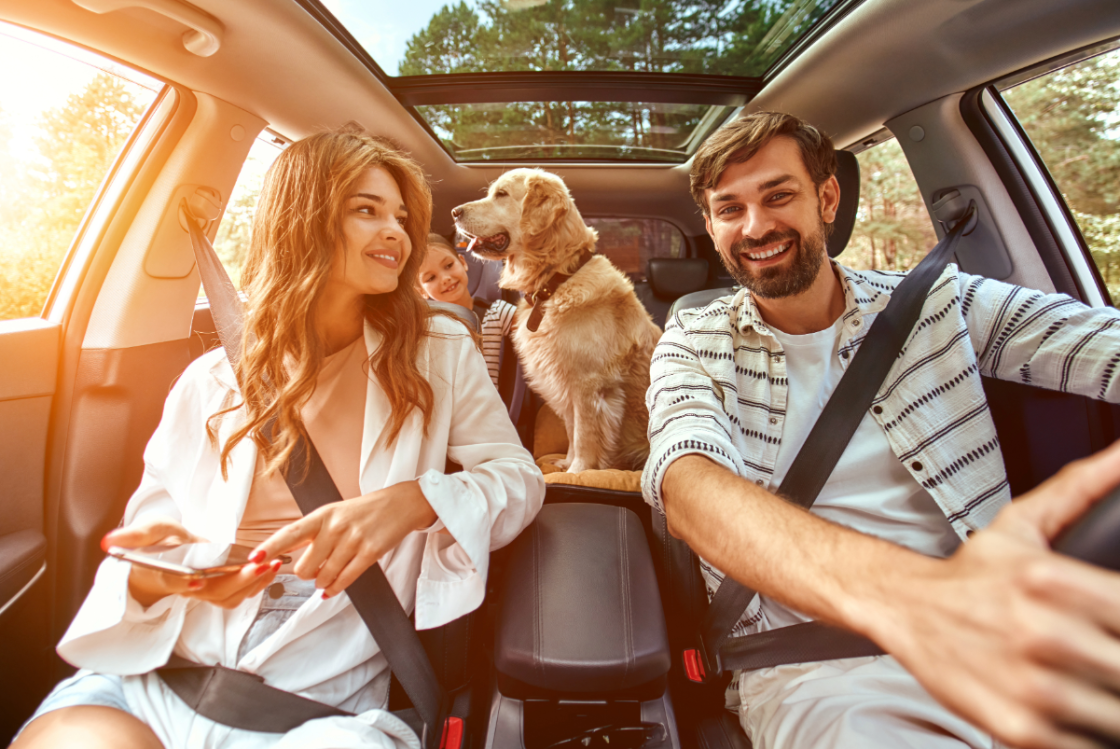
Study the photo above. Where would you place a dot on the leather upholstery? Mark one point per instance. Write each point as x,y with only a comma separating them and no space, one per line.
581,609
847,174
670,278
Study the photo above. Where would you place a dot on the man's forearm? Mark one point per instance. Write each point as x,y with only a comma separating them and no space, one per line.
827,571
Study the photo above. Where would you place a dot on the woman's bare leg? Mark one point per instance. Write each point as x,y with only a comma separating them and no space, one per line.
90,726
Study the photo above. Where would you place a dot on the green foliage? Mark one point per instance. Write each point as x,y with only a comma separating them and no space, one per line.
893,230
723,37
42,202
1072,117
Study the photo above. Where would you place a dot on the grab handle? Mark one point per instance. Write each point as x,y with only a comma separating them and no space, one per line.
205,36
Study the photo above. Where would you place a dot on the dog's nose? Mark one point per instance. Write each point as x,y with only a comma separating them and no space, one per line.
456,212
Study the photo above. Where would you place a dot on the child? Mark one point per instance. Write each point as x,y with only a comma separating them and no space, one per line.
443,277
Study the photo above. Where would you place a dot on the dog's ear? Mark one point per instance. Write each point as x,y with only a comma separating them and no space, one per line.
545,203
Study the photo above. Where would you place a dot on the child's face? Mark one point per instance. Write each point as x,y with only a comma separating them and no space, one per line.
443,277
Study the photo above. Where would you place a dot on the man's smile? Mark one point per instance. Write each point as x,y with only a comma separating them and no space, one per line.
767,252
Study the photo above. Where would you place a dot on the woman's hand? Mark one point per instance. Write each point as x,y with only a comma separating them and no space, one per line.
148,586
347,538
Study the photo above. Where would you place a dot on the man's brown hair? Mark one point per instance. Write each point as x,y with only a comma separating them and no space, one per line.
740,139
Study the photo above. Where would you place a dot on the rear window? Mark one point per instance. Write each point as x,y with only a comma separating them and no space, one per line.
629,243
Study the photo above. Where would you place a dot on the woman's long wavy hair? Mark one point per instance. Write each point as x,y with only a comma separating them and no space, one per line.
297,232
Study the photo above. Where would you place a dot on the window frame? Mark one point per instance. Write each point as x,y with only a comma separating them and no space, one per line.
1048,217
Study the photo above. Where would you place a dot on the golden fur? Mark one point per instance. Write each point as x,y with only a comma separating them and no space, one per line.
589,360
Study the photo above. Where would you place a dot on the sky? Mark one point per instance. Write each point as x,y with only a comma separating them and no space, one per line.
383,27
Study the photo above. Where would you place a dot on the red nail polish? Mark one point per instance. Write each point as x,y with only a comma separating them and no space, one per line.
105,544
276,565
326,595
261,569
195,584
257,556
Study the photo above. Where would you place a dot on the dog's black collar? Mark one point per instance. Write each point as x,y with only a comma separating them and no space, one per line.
542,295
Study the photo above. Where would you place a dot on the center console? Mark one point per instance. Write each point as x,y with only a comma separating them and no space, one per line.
581,650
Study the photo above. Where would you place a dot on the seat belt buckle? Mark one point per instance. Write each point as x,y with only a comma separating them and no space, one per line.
452,737
694,666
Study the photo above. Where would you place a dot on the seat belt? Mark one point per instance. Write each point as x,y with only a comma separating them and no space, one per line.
808,474
371,593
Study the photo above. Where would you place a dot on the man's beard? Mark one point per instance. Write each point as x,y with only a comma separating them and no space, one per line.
780,280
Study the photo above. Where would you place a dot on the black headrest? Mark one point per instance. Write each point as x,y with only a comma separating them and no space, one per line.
670,278
847,174
697,299
465,315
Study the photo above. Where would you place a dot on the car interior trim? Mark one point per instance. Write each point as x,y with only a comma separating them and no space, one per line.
944,133
208,155
1052,207
1055,63
22,591
574,85
33,342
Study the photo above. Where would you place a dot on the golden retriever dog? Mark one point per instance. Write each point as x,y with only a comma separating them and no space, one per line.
583,337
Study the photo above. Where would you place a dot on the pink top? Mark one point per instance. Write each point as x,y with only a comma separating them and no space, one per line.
334,417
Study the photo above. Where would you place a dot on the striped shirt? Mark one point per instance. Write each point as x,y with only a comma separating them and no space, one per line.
496,324
719,385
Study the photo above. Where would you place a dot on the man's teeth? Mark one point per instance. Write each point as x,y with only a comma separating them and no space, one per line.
771,253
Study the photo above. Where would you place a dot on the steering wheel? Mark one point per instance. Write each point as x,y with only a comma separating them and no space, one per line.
1095,538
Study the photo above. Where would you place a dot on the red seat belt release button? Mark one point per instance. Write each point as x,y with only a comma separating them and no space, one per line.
452,734
694,666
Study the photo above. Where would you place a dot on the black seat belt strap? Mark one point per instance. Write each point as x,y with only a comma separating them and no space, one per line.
312,487
830,435
373,597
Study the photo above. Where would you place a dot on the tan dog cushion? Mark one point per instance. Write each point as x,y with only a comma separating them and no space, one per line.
611,478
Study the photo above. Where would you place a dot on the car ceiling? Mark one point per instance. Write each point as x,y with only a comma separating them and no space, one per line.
880,60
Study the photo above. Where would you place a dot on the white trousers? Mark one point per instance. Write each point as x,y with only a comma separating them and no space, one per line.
855,702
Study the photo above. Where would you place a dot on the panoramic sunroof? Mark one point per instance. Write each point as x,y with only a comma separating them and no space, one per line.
580,130
673,40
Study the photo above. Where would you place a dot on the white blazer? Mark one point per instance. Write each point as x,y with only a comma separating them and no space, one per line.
325,651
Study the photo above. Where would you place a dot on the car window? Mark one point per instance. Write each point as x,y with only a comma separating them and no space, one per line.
232,241
65,115
1072,115
893,229
629,243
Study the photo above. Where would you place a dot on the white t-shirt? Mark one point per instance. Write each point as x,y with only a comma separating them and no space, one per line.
869,490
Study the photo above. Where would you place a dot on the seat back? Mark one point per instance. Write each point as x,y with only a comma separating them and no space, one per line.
464,315
847,175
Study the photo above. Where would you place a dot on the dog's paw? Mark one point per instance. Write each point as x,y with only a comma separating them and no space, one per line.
562,464
576,465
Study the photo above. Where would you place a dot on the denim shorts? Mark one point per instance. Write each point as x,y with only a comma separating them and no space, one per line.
280,600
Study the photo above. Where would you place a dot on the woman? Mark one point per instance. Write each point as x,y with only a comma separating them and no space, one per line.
443,277
387,392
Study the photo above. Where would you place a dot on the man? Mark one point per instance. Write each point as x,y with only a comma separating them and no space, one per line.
1014,639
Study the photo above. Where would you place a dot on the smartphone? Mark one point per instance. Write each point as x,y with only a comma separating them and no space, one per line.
170,559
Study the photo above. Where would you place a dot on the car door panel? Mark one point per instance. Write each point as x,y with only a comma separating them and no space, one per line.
117,402
26,394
